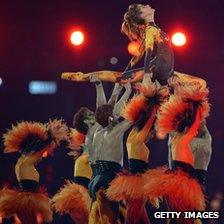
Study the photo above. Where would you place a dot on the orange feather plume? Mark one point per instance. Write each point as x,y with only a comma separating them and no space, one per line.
133,109
182,192
150,90
77,140
128,187
179,107
74,200
26,205
14,138
139,103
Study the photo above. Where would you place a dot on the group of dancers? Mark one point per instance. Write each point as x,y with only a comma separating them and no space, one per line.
149,102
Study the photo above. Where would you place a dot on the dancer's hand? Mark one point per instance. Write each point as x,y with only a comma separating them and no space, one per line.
147,79
94,79
127,85
174,82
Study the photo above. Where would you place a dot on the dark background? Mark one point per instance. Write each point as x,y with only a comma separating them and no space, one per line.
34,45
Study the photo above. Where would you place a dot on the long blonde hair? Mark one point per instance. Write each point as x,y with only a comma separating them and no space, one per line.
133,25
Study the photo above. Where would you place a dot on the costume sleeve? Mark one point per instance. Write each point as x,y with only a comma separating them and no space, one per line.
150,36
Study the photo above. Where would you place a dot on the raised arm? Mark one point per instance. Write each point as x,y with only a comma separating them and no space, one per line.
100,95
143,135
114,95
193,130
123,100
181,149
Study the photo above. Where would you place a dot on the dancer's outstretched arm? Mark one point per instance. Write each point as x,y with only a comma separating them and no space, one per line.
123,100
193,130
182,150
144,133
115,94
100,95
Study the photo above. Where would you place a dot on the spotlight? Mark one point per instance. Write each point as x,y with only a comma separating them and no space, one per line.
77,38
179,39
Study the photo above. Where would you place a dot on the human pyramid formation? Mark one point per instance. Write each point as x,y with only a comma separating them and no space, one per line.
164,103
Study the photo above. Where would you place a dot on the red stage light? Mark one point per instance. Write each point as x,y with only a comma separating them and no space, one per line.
133,48
77,38
179,39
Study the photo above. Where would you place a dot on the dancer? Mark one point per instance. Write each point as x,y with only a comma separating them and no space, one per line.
142,111
201,147
201,144
107,158
33,140
182,115
73,198
138,24
86,123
